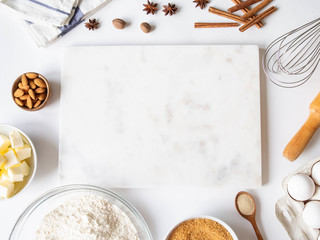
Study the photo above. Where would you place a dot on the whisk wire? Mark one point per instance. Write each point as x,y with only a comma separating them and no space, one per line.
291,59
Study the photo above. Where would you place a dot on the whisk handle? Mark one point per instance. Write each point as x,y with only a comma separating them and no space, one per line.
298,143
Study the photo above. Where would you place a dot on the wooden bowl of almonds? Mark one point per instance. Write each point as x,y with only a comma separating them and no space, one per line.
31,91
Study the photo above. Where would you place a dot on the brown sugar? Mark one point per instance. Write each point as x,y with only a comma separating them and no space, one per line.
200,229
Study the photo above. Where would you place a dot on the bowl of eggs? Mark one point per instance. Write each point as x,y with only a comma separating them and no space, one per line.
18,162
299,209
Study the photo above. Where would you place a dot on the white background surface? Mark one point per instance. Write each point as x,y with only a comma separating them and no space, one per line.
283,110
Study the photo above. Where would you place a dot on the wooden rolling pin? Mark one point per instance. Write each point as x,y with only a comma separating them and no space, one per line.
298,143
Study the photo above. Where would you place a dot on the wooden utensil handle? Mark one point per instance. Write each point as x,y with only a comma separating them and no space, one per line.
256,230
298,143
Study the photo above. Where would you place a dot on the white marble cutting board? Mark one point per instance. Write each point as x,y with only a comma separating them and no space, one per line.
161,116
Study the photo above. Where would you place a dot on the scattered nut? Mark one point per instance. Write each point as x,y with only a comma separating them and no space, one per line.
40,90
24,80
18,93
145,27
19,102
40,83
119,23
31,75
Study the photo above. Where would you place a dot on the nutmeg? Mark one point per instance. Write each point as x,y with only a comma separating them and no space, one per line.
145,27
119,23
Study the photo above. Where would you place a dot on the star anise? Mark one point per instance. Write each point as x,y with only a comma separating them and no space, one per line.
201,3
92,24
150,7
169,9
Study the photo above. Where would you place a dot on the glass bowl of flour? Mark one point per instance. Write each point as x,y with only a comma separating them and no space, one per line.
80,212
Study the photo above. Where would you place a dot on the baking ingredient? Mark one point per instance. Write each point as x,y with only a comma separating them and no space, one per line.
15,139
200,229
6,189
259,17
145,27
18,93
301,187
119,23
169,9
150,7
215,25
36,89
201,3
4,143
31,75
23,153
242,5
40,83
256,9
245,204
87,217
245,10
11,159
13,165
226,15
315,173
311,214
92,24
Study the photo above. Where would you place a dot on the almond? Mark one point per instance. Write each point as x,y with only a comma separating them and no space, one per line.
24,80
32,85
18,93
40,90
40,83
24,88
31,75
37,104
32,94
145,27
24,97
119,23
29,102
42,96
19,102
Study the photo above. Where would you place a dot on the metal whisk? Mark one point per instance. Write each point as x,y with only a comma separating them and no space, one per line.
291,59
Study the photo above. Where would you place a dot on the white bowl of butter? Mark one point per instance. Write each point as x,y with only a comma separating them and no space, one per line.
18,161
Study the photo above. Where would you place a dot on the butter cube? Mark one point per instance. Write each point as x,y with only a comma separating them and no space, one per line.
15,174
16,140
25,169
4,143
23,153
6,189
2,160
5,176
11,159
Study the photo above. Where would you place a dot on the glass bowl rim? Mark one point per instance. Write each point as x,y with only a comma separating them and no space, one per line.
69,188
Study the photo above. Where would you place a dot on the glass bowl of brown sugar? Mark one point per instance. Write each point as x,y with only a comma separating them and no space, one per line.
202,228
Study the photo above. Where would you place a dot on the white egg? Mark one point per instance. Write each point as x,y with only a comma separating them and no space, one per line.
311,214
301,187
316,173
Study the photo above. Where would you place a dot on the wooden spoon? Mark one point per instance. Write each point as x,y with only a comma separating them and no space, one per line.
252,216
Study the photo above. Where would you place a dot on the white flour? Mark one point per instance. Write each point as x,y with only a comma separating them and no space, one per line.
87,218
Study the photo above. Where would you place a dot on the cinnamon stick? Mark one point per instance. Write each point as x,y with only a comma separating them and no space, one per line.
245,10
215,25
226,15
242,5
257,19
256,9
